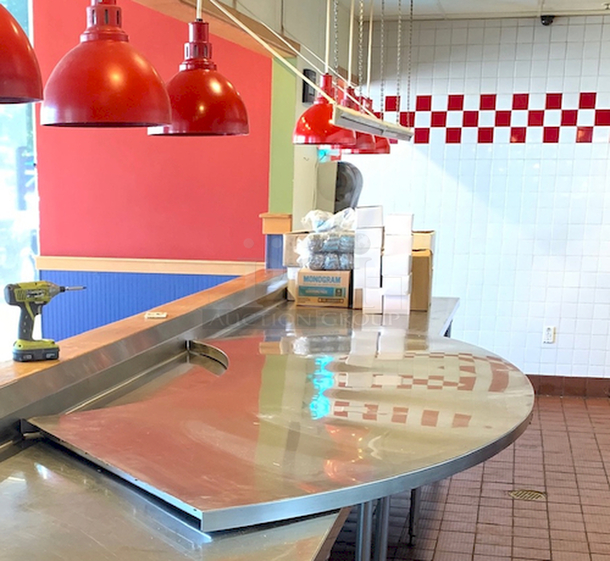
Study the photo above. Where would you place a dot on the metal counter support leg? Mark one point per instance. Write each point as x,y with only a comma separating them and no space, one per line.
364,531
382,521
414,514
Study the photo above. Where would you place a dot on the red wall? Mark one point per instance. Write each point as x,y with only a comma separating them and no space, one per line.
120,193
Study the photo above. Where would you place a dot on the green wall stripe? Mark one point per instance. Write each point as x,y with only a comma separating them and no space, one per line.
281,168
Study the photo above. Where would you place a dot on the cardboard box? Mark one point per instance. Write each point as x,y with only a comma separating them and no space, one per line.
371,261
361,280
275,223
323,288
399,224
397,304
396,286
368,238
421,280
369,217
396,265
424,239
290,255
291,290
357,296
398,245
372,300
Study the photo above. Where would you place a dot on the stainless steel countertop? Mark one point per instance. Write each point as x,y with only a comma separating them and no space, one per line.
318,409
55,508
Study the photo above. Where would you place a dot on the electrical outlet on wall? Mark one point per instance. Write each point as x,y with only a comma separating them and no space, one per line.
549,333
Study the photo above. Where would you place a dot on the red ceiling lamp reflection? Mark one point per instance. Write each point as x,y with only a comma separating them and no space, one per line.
20,80
351,464
315,126
104,81
203,101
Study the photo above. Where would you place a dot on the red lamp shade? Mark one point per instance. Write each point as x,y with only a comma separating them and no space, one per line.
381,146
20,80
204,102
104,81
315,125
364,141
364,144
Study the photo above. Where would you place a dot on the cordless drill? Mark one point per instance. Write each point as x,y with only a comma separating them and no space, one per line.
31,297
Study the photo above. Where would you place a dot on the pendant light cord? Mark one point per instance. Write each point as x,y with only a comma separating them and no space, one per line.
370,52
336,35
360,46
327,47
381,60
409,60
398,62
351,44
199,14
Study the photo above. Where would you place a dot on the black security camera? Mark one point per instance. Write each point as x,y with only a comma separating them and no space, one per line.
546,20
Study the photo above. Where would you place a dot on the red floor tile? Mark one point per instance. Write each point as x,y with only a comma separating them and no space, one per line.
470,517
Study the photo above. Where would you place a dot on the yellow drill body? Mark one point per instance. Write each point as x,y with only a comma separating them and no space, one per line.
31,297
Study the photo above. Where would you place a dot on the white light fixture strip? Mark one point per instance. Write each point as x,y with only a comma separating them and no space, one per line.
349,119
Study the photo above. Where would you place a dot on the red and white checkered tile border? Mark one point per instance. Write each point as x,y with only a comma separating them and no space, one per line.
573,122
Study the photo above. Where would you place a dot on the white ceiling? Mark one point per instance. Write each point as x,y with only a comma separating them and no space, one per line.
456,9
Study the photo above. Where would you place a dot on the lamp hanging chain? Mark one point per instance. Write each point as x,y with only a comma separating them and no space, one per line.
327,46
360,47
398,62
381,61
369,59
409,63
351,44
336,34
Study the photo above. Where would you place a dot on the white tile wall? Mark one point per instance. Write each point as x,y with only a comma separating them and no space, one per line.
523,229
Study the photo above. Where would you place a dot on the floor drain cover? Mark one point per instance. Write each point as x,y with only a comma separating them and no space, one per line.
527,495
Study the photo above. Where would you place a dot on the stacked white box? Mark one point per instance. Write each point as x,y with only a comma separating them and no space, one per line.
367,259
396,264
369,217
399,224
372,300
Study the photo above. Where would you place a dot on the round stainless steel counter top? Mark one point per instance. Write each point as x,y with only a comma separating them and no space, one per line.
306,418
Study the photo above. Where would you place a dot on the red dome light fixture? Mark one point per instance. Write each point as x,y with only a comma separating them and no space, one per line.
20,79
381,145
104,81
203,101
315,125
365,143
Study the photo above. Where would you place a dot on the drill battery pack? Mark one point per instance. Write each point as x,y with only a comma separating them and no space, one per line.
31,351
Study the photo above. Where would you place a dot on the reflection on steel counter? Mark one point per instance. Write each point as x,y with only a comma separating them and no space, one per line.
247,447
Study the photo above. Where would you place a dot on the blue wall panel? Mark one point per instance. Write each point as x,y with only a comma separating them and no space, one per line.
274,251
113,296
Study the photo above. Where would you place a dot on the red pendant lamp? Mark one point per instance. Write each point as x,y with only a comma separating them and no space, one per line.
204,102
315,126
104,81
20,80
381,143
382,146
364,142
